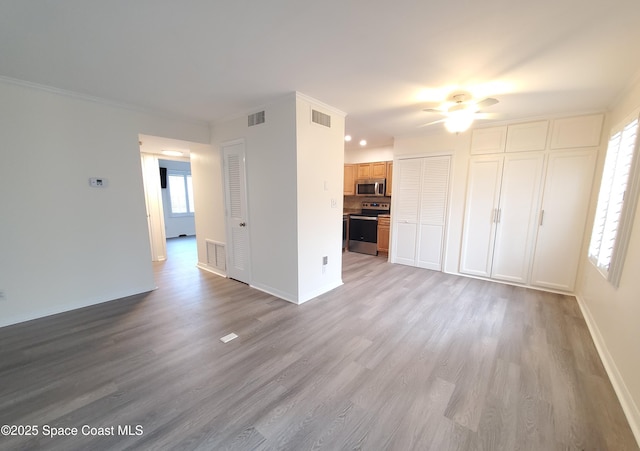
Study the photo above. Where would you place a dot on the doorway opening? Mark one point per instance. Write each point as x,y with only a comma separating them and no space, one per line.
166,171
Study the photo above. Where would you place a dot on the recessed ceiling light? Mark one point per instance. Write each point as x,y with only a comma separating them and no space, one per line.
172,153
363,142
347,138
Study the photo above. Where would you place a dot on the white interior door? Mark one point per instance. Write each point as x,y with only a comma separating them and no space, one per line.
517,217
562,219
155,212
483,192
238,255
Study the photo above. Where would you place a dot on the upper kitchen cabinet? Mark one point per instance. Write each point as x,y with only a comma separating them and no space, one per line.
576,132
488,140
389,178
350,179
377,170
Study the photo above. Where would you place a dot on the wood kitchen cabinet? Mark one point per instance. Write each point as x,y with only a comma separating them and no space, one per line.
377,170
350,179
389,178
384,227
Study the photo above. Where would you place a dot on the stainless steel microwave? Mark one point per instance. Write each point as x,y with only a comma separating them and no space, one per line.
374,187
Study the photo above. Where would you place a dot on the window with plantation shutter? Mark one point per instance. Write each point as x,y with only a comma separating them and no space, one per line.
616,202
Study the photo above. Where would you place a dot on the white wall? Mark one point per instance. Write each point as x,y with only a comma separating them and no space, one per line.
614,314
368,155
271,191
208,194
175,225
320,158
291,222
65,245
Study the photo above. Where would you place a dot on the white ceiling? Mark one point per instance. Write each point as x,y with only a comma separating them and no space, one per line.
377,61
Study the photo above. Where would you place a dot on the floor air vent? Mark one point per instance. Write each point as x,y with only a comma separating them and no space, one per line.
320,118
256,118
216,255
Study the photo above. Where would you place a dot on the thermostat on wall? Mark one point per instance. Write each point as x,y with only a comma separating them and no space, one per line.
98,182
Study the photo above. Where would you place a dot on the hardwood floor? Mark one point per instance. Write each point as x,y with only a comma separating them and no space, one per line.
397,358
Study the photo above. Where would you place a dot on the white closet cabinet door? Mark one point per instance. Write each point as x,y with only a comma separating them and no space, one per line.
517,216
562,219
433,210
483,191
408,175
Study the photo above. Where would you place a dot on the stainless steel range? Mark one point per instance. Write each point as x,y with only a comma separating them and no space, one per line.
363,227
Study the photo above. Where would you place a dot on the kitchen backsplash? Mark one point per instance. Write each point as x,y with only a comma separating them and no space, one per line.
354,203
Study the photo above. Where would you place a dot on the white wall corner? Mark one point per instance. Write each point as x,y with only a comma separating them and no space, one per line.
211,269
627,402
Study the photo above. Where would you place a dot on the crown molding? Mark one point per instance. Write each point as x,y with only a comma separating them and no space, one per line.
100,100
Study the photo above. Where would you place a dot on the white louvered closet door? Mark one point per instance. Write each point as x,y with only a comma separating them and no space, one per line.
419,220
408,174
238,266
433,211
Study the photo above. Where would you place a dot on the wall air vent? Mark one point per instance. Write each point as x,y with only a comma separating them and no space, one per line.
320,118
256,118
216,255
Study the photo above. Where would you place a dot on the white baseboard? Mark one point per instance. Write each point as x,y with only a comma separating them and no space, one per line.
211,270
275,292
629,406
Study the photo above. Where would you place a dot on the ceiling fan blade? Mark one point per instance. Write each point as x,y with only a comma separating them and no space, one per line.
486,102
431,123
433,110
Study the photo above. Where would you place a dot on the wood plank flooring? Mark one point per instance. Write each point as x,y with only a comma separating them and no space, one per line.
398,358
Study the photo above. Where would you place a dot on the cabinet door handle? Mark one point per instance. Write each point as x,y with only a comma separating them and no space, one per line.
499,215
495,215
541,217
243,224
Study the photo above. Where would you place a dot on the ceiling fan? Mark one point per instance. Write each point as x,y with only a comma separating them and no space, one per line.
460,110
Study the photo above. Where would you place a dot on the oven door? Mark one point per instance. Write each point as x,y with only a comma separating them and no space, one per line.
363,234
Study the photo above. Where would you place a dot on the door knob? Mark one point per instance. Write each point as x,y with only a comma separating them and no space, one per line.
243,224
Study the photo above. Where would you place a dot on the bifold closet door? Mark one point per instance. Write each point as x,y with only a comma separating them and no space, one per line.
419,219
433,210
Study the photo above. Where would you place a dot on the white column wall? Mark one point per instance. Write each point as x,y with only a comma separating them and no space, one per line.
320,158
63,244
271,190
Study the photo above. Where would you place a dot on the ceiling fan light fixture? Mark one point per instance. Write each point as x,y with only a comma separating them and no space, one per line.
459,120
